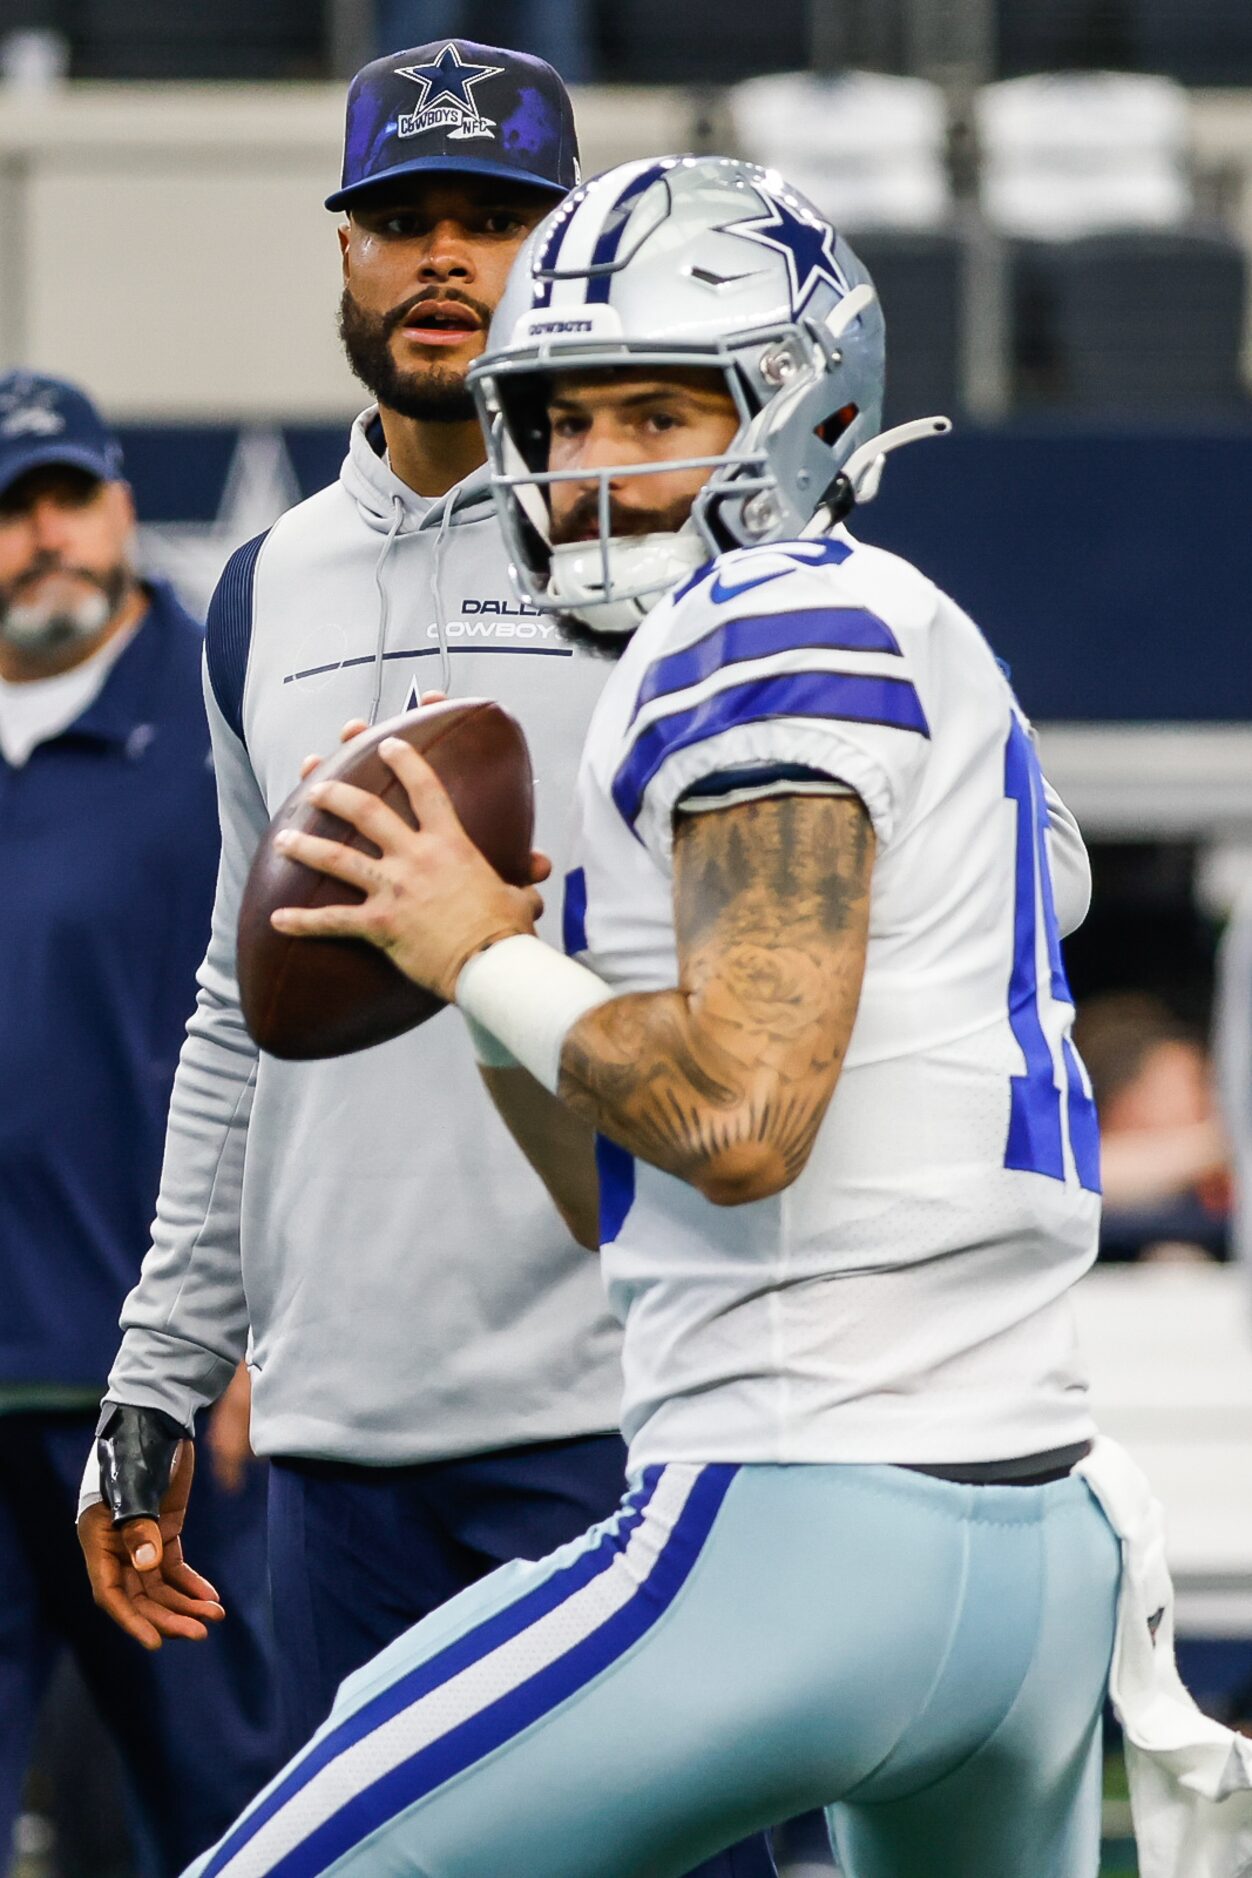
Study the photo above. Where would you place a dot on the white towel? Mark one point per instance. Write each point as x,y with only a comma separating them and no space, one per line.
1190,1778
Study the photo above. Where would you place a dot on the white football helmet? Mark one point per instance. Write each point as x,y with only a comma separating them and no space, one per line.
693,262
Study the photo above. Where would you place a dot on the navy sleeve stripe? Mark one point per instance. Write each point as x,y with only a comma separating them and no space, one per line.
228,631
724,782
853,696
834,629
574,911
616,1168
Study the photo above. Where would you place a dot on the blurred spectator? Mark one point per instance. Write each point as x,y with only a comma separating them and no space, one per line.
108,852
1164,1155
1232,1049
560,31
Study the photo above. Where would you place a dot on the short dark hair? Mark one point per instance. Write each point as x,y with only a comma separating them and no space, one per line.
1117,1031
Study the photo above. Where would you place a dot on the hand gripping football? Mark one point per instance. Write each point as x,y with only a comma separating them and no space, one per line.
306,998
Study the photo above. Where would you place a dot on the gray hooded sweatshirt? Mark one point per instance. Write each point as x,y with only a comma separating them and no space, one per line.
364,1226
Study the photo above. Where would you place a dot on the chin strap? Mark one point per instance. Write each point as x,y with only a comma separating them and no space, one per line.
861,475
135,1448
644,566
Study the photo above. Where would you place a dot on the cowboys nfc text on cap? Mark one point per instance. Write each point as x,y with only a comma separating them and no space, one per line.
46,420
455,106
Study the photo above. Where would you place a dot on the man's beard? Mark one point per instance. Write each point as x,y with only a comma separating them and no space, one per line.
576,632
434,395
582,522
622,521
39,631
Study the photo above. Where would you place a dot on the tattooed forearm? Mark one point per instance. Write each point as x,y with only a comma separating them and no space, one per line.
724,1081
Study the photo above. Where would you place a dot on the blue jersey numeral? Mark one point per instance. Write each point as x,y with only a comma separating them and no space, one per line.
1036,1143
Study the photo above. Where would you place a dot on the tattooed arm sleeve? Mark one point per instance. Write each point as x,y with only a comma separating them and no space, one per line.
724,1082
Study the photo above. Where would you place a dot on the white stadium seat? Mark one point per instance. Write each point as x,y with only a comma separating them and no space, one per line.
1080,153
867,148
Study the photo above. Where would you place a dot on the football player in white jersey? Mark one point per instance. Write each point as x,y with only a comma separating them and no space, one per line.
815,1012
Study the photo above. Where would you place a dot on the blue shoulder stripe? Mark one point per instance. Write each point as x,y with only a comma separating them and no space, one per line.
834,628
854,696
228,631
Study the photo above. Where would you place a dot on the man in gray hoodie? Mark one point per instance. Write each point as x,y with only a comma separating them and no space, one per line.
435,1371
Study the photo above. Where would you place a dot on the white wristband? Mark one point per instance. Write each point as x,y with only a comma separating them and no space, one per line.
529,998
89,1493
489,1052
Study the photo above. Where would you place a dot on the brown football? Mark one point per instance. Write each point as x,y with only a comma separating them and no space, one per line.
307,998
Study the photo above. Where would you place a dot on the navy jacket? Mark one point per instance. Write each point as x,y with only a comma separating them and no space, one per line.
108,855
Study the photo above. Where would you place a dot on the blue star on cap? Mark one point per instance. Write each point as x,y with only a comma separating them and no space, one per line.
807,245
450,77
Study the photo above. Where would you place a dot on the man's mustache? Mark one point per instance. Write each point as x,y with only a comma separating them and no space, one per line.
399,314
45,564
582,522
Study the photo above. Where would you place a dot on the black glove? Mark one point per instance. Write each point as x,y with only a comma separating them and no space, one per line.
135,1448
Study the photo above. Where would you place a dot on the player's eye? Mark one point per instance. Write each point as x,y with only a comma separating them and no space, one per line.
567,424
503,222
660,421
400,227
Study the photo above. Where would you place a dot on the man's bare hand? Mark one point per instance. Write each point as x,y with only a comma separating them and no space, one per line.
227,1432
137,1571
431,899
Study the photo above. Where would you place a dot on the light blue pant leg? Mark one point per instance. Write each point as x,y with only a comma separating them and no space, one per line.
753,1643
1027,1800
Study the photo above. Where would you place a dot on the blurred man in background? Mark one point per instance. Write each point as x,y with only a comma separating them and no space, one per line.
108,849
1232,1044
1164,1153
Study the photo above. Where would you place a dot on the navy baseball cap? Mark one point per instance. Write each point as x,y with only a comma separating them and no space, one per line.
458,107
46,420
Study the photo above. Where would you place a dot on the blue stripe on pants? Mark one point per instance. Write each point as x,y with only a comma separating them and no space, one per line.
518,1708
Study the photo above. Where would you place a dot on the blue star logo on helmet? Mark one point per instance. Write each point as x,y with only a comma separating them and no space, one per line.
447,100
805,241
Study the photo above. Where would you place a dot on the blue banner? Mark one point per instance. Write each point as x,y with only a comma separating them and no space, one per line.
1111,570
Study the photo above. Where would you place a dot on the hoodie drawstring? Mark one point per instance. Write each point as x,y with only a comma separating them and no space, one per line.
441,612
397,522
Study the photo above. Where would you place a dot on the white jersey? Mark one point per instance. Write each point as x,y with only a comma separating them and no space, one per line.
906,1298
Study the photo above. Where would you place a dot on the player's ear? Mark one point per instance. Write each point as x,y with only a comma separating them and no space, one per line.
345,234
